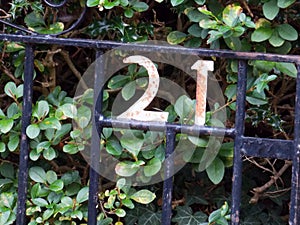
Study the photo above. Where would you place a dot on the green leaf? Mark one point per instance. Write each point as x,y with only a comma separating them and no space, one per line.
34,155
33,131
65,111
186,216
13,143
276,40
10,89
47,214
195,30
7,170
143,196
82,195
41,109
34,19
200,142
129,13
71,148
176,37
270,9
285,3
184,106
120,212
131,143
194,15
57,185
118,81
208,23
287,68
37,174
287,32
113,147
49,153
51,122
231,14
176,2
2,147
261,34
215,170
40,202
126,168
51,176
128,90
200,2
152,167
6,125
42,146
230,91
140,6
254,100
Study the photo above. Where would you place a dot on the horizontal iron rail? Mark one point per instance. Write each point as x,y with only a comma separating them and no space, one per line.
46,39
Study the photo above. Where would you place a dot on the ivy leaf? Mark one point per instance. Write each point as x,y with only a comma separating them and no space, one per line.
176,37
37,174
215,170
150,218
185,216
143,196
34,19
270,9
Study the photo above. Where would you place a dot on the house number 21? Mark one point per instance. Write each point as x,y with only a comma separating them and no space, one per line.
137,110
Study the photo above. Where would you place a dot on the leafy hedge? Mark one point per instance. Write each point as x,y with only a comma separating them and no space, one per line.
61,124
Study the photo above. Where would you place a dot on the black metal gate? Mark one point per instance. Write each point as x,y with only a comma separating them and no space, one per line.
244,146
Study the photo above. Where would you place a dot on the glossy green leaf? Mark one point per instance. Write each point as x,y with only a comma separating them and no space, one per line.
118,81
34,19
126,168
49,154
120,212
231,14
40,202
6,125
131,143
287,32
92,3
113,147
41,109
13,142
152,167
261,34
287,68
276,40
215,170
285,3
128,90
176,2
270,9
51,176
140,6
57,185
47,214
143,196
32,131
70,148
67,110
176,37
51,122
82,195
208,24
37,174
2,147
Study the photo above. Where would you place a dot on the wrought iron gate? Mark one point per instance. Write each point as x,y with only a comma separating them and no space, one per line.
244,146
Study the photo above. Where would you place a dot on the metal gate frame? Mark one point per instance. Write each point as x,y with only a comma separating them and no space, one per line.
244,146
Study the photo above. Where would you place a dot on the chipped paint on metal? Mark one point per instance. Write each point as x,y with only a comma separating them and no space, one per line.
202,67
136,111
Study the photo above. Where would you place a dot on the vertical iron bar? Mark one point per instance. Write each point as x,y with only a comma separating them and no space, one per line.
24,142
168,173
295,193
239,127
95,145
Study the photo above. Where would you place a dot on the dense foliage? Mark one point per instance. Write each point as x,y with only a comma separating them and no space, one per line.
61,124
